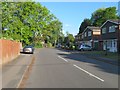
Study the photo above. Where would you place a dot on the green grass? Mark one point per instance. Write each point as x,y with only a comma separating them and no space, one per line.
102,54
111,56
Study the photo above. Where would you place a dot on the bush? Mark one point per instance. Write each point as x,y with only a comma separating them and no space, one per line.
38,45
49,45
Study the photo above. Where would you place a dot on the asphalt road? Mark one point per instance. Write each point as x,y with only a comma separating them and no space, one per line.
55,68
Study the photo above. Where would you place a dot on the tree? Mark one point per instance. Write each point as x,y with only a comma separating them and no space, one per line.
29,22
69,39
103,14
86,22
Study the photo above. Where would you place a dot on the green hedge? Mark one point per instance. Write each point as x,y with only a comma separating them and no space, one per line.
38,45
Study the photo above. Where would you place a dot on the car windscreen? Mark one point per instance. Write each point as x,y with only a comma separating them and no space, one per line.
28,47
87,46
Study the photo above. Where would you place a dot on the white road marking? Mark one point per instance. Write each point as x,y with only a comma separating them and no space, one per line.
22,77
84,70
63,58
88,73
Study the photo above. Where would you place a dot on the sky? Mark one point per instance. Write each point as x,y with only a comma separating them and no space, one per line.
71,14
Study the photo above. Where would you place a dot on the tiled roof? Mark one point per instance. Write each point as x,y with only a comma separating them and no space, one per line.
93,27
115,21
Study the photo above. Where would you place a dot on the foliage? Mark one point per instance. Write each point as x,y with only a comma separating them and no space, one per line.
49,45
103,14
38,45
69,40
99,17
29,22
86,22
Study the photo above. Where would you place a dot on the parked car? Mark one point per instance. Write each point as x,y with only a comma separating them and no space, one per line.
85,48
28,49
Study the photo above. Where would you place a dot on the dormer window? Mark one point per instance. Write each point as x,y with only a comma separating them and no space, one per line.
112,28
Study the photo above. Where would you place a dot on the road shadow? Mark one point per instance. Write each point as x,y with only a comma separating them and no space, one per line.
25,53
78,56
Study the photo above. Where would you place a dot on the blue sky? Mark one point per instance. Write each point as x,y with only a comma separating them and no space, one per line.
71,14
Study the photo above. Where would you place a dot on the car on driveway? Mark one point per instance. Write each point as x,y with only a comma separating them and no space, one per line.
28,49
85,48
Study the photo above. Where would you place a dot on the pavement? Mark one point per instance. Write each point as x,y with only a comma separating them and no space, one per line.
13,71
97,57
0,76
54,68
107,60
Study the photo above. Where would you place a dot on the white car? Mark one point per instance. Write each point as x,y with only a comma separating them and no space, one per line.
28,49
85,48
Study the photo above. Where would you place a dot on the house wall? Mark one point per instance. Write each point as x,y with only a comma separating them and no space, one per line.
93,40
111,45
108,35
9,50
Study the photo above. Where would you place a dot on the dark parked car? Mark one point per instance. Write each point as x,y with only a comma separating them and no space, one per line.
28,49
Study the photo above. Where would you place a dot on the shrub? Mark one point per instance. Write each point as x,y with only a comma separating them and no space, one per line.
38,45
49,45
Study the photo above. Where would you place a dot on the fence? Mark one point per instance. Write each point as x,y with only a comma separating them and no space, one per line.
9,50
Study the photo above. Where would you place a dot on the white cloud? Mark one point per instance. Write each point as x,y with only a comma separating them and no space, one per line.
67,25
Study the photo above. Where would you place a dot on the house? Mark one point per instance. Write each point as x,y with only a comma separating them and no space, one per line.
91,37
110,35
78,39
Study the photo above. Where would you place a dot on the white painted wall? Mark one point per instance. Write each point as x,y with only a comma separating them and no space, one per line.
111,45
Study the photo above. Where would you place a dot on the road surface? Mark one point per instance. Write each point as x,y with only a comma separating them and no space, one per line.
55,68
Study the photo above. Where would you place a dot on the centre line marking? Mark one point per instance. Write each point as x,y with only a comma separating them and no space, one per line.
63,58
88,73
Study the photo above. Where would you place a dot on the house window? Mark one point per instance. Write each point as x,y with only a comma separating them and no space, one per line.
112,29
89,33
85,34
103,30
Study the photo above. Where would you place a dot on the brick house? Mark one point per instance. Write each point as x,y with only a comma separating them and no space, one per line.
78,40
110,35
91,37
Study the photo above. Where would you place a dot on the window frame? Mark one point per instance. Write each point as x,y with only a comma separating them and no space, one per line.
112,29
89,33
104,30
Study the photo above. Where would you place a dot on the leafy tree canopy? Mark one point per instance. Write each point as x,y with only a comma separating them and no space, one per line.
86,22
103,14
99,17
29,22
